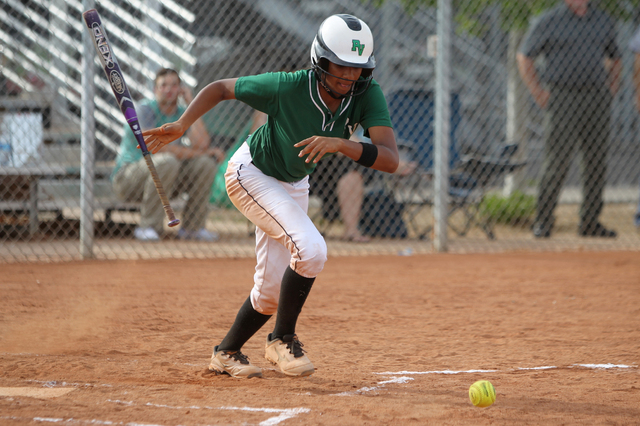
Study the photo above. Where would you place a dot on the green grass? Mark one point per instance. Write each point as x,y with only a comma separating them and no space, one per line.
516,209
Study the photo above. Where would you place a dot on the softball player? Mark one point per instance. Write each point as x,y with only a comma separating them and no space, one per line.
311,113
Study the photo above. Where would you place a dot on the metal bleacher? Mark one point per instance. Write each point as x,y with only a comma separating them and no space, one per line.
33,44
42,54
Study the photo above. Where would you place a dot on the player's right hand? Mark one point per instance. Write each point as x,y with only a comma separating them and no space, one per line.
156,138
316,147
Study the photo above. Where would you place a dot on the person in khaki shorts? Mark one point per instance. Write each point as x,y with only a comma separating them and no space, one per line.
182,167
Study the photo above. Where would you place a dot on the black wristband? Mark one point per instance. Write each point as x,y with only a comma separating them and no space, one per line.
369,154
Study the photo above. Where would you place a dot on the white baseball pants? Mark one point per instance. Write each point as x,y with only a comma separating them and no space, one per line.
285,235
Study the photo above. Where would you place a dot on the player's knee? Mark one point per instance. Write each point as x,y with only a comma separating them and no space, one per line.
264,303
311,259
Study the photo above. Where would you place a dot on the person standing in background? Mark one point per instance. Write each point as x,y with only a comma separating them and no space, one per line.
582,74
634,45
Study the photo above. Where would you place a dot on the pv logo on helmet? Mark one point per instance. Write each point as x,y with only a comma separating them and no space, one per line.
357,47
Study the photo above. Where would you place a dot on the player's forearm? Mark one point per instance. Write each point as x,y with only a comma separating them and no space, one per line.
209,97
351,149
384,140
386,161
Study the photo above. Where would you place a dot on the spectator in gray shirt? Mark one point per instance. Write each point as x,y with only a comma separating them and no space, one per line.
634,45
582,72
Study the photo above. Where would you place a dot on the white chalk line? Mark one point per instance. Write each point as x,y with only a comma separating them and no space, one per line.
283,413
381,385
403,379
548,367
56,384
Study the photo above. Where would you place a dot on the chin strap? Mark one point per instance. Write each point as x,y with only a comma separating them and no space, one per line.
321,75
334,95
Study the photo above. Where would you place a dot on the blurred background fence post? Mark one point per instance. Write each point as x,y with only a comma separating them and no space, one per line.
442,125
87,145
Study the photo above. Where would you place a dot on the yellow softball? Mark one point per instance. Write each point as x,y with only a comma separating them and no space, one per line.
482,393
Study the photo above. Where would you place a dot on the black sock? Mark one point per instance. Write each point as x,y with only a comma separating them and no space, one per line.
247,323
293,293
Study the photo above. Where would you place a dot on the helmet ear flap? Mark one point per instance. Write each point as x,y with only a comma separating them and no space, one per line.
323,63
320,66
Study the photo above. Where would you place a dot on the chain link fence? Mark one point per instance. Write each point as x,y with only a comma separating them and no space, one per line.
543,150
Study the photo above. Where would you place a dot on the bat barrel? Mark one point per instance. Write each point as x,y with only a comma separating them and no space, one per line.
123,98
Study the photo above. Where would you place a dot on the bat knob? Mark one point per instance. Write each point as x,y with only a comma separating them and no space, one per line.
174,222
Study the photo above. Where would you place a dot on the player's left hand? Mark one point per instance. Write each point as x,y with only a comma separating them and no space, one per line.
156,138
317,146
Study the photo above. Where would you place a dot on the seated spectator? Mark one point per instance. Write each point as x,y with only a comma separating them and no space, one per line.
219,196
183,166
338,182
383,216
365,213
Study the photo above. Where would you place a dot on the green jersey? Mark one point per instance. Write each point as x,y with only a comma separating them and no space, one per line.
296,112
150,116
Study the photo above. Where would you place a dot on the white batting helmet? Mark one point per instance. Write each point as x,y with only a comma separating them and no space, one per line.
344,40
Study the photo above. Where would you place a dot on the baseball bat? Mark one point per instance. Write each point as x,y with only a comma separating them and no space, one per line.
121,92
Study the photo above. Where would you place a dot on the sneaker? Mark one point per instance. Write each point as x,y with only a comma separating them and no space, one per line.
597,230
201,235
146,234
287,354
235,364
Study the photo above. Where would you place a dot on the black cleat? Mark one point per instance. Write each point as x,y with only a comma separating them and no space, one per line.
597,230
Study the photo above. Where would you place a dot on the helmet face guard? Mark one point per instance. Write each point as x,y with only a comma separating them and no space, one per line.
358,86
347,41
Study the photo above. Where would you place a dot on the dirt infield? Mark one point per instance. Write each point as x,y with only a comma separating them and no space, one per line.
395,340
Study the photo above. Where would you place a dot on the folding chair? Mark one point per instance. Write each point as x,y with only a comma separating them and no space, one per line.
412,188
469,181
472,174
